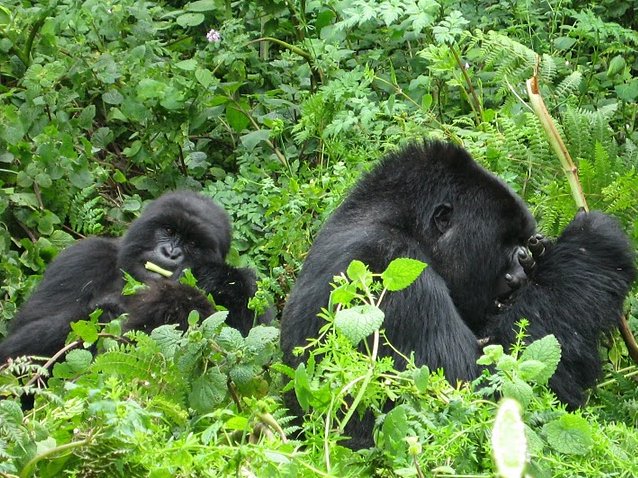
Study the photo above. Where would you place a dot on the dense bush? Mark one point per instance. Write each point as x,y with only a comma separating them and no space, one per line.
274,108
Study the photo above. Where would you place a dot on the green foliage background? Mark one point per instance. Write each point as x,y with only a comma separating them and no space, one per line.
105,104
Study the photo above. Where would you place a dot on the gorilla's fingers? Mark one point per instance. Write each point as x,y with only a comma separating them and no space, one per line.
537,245
526,259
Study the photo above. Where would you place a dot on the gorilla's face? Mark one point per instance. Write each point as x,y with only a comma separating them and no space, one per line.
481,251
176,232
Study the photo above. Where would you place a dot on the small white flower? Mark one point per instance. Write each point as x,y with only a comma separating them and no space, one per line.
213,36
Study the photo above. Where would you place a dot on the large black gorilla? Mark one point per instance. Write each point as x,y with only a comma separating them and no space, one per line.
179,230
432,202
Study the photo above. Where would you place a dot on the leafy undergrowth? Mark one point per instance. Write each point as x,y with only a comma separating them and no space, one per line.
207,402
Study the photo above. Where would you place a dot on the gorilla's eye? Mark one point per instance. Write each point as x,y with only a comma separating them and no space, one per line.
169,230
442,216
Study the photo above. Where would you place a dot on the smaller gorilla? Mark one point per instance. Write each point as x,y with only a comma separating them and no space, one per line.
180,230
434,203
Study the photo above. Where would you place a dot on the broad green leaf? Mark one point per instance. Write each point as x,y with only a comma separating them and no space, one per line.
5,15
112,97
359,321
343,294
187,65
190,19
518,390
236,118
208,391
421,378
102,137
149,88
262,335
569,434
401,273
508,440
243,374
357,271
204,76
11,413
85,330
395,428
546,350
85,118
253,138
529,370
201,6
78,359
302,387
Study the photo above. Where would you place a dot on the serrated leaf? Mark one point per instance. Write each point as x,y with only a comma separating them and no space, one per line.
208,391
569,434
401,273
11,413
529,370
359,321
230,339
168,338
190,19
242,374
491,355
546,350
508,440
343,294
253,138
262,335
78,360
518,390
212,325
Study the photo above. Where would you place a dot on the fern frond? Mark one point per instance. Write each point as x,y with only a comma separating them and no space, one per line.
569,85
86,210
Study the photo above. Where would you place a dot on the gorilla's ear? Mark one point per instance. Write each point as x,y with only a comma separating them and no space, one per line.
442,216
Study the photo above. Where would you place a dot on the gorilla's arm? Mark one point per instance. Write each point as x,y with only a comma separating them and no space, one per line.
164,302
421,318
577,294
78,277
232,288
73,286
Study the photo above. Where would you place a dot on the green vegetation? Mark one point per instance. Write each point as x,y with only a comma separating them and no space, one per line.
274,108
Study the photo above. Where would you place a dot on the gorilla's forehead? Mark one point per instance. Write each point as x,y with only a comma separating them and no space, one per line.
187,212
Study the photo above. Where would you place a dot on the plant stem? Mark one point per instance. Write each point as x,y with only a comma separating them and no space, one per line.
555,140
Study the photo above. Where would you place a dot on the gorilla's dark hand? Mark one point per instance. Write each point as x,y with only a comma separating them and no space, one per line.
526,259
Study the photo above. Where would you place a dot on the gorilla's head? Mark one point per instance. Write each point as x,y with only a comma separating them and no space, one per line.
480,230
473,228
180,230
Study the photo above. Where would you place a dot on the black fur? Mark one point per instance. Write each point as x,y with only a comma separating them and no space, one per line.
180,230
432,202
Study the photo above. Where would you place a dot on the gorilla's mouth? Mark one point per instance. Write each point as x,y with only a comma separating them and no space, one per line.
504,301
